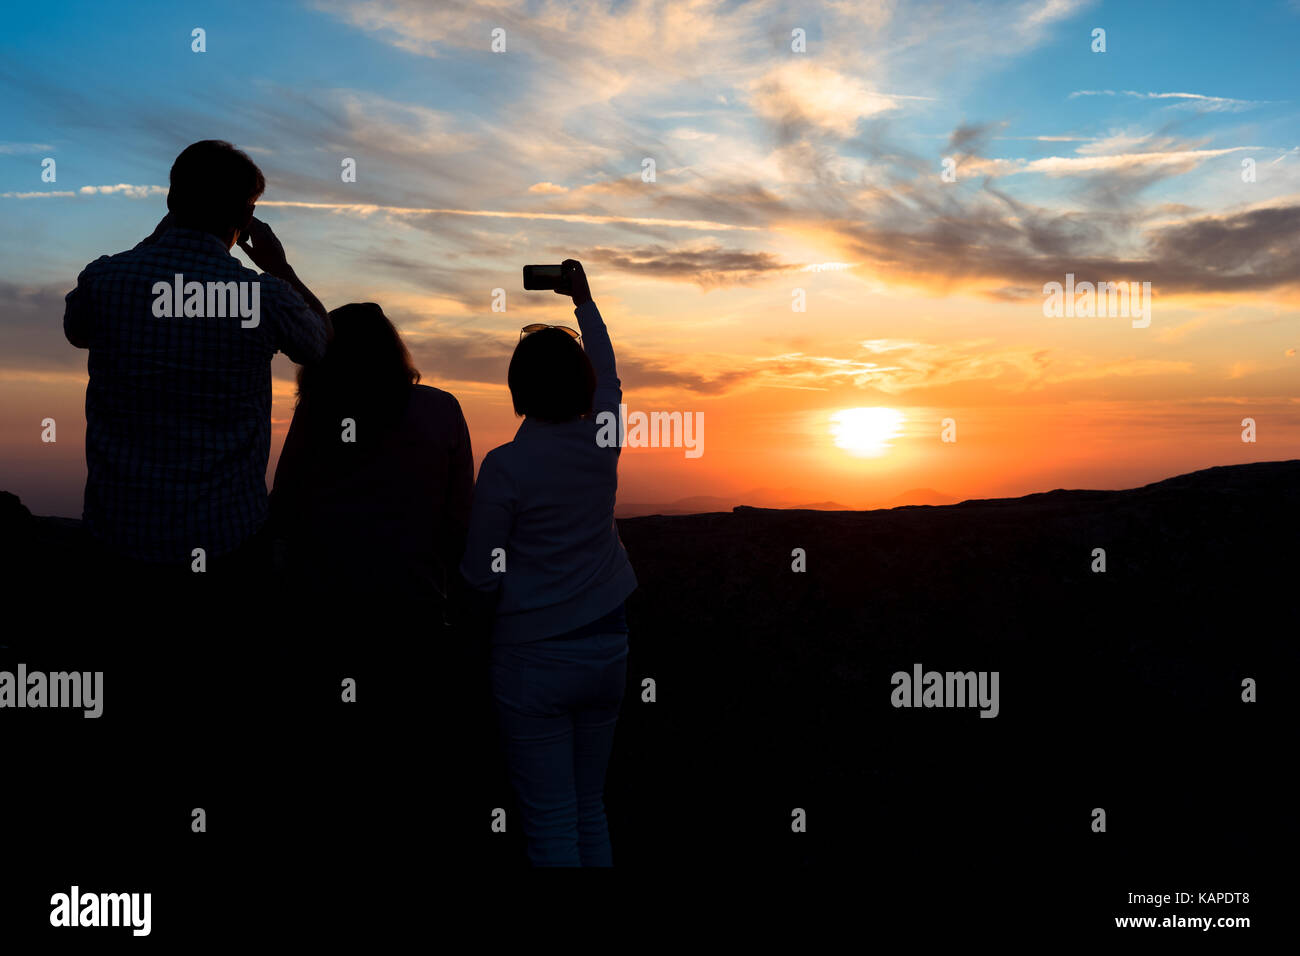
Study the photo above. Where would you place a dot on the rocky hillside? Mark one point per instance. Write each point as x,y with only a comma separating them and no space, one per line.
1118,689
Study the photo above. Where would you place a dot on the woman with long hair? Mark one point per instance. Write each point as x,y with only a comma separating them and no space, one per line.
373,487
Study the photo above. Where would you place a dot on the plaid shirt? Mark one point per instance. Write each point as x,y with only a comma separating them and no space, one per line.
178,410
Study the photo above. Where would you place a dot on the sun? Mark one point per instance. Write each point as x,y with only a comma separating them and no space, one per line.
866,432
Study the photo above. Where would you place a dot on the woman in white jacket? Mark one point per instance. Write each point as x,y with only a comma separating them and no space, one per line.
542,537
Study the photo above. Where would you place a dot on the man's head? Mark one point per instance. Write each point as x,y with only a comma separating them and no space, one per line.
214,188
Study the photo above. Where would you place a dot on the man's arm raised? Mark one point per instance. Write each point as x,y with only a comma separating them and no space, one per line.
267,253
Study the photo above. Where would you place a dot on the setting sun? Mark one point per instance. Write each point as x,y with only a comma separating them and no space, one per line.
866,432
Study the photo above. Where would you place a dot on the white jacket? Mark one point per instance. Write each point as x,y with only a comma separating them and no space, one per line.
547,499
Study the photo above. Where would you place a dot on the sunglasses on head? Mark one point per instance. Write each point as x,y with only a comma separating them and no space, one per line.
537,327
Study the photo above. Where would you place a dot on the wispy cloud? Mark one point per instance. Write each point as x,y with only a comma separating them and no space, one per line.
1068,165
12,149
367,209
120,189
1197,101
124,189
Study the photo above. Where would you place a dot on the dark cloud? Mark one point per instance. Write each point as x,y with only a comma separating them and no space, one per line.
455,355
969,138
637,373
1120,187
1257,249
1247,251
707,268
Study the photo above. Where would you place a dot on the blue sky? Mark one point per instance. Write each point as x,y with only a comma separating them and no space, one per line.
112,95
774,169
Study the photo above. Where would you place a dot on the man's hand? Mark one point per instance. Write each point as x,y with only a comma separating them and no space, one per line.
575,282
267,254
265,249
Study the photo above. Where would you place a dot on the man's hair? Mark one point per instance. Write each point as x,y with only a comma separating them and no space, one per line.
214,186
550,377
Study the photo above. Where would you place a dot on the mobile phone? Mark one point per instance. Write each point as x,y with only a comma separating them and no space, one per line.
544,277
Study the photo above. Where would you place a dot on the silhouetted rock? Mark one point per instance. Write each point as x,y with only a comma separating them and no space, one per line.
1119,689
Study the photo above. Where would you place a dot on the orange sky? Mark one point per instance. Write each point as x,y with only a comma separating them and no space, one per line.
1081,403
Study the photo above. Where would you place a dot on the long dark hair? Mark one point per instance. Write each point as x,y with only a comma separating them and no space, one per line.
366,375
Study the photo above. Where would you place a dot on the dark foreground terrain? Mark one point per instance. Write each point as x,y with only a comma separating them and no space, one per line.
1119,690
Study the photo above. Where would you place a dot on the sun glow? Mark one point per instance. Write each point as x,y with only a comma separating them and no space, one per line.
866,432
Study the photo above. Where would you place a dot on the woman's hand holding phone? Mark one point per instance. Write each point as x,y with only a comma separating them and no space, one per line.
575,282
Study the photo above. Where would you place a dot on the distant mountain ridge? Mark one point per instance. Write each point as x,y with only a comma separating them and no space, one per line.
784,498
788,499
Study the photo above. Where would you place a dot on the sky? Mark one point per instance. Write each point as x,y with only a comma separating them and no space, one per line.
854,211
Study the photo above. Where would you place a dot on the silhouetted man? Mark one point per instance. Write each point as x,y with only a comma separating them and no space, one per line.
181,336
